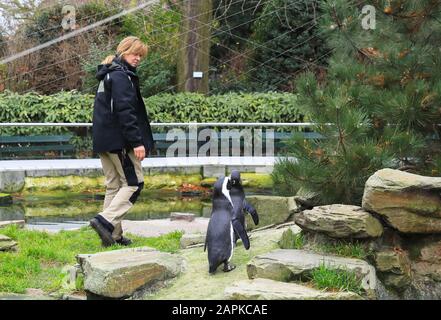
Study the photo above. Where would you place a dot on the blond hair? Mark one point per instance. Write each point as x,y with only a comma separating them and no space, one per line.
129,45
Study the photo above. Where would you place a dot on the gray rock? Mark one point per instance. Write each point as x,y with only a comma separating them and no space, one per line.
393,268
120,273
306,198
293,206
422,288
271,210
182,216
7,244
270,235
12,181
265,289
192,239
340,221
409,202
428,261
288,265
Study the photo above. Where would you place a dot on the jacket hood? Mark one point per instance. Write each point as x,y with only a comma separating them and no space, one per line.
117,64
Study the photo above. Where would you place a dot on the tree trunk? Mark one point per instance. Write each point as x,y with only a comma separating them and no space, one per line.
194,53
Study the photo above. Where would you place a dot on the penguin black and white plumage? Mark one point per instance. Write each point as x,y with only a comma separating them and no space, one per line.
237,195
222,226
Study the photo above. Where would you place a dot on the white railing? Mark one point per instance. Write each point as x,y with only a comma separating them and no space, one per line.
172,124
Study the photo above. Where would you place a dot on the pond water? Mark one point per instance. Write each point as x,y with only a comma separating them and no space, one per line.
72,211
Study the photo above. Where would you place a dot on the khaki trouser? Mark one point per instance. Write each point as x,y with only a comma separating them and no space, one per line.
124,182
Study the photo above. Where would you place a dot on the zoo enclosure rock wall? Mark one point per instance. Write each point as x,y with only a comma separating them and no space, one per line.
399,225
90,176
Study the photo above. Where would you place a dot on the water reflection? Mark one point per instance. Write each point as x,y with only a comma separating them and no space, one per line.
77,209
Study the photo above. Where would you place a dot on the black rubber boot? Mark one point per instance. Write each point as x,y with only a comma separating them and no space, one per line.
124,241
104,234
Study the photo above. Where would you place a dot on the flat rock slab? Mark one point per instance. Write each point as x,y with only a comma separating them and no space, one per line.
7,244
340,221
119,273
290,264
265,289
19,223
410,203
192,239
158,227
182,216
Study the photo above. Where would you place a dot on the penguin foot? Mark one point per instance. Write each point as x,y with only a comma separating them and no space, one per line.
229,267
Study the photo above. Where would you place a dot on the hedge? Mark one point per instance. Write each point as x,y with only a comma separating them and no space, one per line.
73,106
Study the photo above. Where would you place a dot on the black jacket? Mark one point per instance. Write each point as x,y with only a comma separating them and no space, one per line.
119,116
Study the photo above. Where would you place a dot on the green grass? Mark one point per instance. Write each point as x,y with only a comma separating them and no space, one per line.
41,255
350,249
355,249
326,278
290,240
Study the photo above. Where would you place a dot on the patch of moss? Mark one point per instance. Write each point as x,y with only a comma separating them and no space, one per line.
169,181
92,184
41,185
65,183
257,180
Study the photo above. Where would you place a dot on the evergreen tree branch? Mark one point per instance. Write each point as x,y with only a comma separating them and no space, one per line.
340,27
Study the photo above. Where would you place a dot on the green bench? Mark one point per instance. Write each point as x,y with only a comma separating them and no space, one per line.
13,147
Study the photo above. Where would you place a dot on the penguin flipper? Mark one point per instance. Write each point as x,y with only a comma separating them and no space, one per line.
252,211
240,230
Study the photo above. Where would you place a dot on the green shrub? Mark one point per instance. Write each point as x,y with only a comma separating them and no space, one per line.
73,106
232,107
65,106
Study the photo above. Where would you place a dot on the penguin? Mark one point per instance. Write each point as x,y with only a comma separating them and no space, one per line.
224,223
237,195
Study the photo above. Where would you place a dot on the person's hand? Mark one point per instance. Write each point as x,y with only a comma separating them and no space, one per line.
139,153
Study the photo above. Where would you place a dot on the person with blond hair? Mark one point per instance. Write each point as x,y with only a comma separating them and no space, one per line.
122,137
